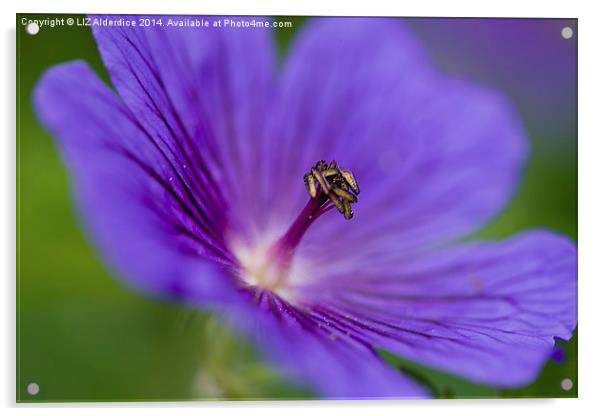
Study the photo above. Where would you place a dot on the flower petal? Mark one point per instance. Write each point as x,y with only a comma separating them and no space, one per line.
321,356
137,201
207,88
435,157
489,311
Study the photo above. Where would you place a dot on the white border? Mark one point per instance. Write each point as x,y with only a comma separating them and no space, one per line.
590,206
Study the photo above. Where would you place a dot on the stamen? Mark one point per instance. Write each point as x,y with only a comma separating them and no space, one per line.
337,183
350,179
321,180
310,184
329,186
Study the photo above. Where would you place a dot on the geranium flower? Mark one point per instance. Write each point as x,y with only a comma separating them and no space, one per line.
216,177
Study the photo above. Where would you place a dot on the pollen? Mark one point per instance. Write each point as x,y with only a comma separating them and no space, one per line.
334,184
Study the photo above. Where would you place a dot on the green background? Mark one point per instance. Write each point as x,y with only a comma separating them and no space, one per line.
83,336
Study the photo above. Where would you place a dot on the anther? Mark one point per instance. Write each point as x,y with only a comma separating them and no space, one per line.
332,183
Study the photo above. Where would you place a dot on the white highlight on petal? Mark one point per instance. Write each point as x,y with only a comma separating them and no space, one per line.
259,269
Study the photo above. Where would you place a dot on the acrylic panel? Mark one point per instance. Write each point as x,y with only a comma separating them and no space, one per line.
286,207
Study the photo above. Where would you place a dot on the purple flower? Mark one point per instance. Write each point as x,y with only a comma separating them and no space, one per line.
190,179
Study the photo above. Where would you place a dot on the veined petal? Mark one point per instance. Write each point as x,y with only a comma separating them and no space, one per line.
319,354
136,200
436,157
489,311
206,90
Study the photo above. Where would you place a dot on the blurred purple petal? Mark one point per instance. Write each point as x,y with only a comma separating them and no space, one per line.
135,200
527,58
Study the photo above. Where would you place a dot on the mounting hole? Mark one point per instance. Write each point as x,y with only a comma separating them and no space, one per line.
566,32
33,389
566,384
32,28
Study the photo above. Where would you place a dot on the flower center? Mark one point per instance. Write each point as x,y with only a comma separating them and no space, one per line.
329,187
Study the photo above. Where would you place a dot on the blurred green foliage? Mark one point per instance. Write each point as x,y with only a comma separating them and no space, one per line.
83,336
